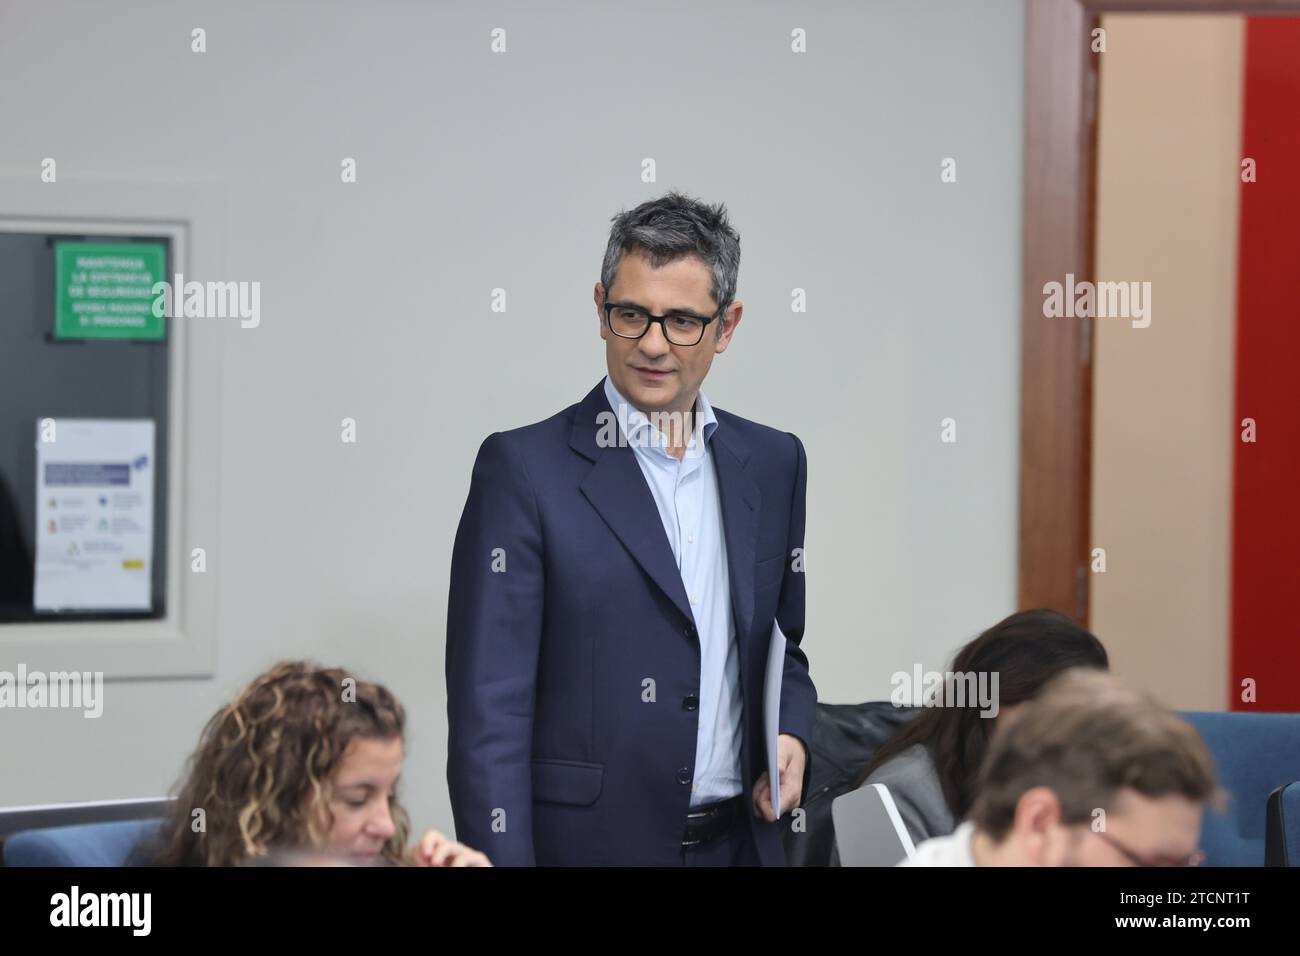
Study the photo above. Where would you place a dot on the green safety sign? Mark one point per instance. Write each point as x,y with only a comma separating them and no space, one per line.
104,290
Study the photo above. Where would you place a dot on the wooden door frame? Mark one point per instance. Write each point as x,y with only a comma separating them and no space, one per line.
1056,354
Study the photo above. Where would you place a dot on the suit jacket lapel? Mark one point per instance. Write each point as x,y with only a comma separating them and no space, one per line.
741,500
617,490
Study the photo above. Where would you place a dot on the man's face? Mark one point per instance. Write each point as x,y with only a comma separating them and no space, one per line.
1157,831
651,372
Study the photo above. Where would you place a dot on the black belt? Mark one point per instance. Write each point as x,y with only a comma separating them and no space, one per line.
710,822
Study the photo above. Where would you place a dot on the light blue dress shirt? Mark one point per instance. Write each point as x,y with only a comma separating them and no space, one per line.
686,494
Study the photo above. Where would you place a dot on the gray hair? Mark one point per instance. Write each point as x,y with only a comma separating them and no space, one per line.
673,226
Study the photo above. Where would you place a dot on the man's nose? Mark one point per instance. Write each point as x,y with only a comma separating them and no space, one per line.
653,342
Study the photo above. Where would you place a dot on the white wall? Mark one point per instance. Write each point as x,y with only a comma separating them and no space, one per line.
478,171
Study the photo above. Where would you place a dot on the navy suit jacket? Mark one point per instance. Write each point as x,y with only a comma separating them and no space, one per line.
565,598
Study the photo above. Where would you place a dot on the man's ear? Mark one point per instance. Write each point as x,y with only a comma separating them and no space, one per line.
598,296
730,319
1037,827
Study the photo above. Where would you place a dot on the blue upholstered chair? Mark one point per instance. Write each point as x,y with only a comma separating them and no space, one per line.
1254,754
87,844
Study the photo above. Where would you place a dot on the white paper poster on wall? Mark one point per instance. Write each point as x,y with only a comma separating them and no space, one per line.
94,514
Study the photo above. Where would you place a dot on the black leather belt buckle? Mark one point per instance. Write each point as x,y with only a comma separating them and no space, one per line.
708,823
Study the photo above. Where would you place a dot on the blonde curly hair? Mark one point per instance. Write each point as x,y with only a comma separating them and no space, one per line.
263,769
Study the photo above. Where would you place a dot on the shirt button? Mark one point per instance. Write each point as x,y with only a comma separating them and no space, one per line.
690,703
684,776
694,600
690,539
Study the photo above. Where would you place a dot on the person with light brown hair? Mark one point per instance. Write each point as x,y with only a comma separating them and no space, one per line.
1090,773
305,759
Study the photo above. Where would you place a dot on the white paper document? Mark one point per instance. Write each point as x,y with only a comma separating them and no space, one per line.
772,710
94,514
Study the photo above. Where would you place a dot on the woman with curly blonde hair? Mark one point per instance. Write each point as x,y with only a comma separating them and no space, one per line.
304,758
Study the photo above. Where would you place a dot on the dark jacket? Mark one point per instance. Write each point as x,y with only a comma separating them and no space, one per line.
554,757
844,739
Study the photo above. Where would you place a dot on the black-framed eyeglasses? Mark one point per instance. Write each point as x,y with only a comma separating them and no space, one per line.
1196,859
680,328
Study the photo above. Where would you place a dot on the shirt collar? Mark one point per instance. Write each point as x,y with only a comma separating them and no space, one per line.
640,432
964,838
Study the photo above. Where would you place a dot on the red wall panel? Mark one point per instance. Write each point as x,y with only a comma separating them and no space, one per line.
1266,475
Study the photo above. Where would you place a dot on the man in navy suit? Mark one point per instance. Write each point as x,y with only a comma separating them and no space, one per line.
615,577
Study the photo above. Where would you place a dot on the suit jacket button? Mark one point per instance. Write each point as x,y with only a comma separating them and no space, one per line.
684,776
690,630
691,703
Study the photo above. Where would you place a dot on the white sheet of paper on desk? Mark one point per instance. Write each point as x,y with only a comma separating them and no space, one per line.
94,514
772,710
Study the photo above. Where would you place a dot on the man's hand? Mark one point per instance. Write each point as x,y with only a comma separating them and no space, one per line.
791,758
435,849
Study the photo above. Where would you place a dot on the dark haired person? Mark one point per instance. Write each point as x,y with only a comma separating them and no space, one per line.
301,766
1092,773
930,765
615,577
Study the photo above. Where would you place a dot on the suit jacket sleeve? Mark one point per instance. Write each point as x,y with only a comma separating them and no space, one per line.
494,626
798,695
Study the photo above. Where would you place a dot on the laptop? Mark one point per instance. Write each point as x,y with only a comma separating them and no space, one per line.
869,830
